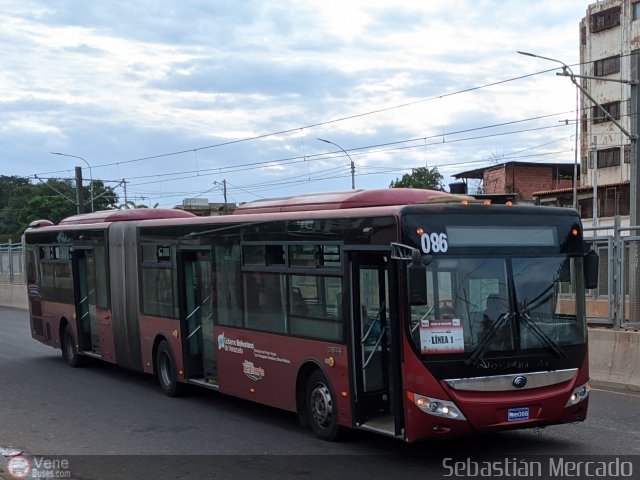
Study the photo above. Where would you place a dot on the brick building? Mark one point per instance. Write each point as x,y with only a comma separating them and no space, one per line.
522,179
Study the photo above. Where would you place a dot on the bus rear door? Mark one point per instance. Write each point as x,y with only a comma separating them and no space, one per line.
84,292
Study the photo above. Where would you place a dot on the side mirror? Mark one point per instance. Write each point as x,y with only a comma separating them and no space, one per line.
417,284
591,264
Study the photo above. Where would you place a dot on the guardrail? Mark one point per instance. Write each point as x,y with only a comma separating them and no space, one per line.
12,263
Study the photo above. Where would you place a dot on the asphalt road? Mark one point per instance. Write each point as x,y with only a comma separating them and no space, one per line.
114,423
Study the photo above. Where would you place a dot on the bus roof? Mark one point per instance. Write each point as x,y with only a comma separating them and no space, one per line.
351,199
105,216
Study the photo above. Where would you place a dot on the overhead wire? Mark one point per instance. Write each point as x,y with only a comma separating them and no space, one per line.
322,123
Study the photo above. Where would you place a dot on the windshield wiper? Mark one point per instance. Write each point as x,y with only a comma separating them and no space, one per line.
550,342
479,351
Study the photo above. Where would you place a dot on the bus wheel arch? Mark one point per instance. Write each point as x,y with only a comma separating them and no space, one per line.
318,406
165,368
68,345
302,379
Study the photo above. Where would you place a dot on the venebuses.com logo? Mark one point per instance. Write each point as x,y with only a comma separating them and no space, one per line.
37,467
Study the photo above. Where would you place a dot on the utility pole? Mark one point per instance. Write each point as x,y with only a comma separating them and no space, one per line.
634,177
594,180
124,182
79,198
224,192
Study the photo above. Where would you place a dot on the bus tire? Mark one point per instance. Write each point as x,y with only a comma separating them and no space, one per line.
167,372
69,350
322,411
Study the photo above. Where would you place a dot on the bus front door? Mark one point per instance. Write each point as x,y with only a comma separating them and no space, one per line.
196,314
84,293
372,336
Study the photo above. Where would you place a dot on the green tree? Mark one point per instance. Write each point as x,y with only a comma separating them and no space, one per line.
8,222
422,177
53,200
8,185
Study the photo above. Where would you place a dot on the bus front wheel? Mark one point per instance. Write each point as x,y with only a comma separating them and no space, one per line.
69,350
322,411
167,371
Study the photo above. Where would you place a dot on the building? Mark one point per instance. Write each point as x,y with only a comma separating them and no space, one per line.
609,35
520,180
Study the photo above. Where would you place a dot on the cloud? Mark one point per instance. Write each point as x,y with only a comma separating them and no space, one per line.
115,81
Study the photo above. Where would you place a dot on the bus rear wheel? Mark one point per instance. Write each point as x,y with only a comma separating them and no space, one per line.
322,412
167,372
69,350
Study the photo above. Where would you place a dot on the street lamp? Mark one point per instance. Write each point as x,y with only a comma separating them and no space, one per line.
353,167
90,173
565,68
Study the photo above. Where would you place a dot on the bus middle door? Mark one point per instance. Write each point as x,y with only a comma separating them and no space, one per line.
196,313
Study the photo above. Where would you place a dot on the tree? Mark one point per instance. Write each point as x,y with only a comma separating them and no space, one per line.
422,177
8,185
53,200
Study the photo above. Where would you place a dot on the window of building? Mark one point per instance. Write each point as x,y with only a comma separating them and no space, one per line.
585,206
636,11
606,66
612,108
608,157
609,203
605,19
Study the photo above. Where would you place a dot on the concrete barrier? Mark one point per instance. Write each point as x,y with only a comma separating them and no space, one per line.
614,357
14,296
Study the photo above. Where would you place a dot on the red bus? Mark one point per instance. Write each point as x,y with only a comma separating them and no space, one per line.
411,313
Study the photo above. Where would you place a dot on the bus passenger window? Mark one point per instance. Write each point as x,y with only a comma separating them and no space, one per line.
314,304
157,292
264,302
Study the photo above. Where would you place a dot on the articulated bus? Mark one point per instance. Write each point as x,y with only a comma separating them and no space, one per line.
411,313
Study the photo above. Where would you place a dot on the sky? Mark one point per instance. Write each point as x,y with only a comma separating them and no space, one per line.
179,98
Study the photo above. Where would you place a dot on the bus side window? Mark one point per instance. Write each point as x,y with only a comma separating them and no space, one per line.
264,301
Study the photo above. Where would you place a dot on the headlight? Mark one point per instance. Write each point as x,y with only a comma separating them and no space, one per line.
579,394
436,407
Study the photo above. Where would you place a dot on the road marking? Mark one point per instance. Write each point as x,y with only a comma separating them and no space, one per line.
617,393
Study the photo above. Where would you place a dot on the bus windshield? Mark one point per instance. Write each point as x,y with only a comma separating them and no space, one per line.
498,305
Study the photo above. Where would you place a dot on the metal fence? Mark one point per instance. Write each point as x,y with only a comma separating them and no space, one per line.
616,301
11,263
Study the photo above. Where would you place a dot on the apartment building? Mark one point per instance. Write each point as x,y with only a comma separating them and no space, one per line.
609,36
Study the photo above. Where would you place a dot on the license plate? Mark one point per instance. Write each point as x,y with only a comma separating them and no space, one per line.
518,414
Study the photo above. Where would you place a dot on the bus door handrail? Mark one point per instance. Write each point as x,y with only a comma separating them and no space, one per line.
193,312
194,332
374,349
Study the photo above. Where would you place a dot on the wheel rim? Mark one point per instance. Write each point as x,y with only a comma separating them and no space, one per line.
321,405
165,369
